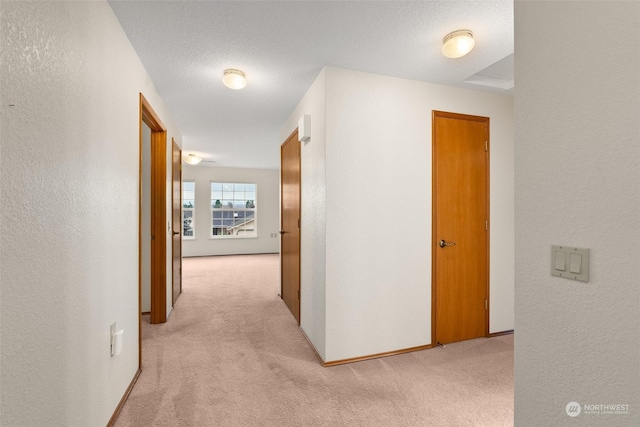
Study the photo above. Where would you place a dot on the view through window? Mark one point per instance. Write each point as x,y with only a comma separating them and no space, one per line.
188,205
233,210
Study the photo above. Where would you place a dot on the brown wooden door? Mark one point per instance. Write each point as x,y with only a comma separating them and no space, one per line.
290,223
176,220
460,219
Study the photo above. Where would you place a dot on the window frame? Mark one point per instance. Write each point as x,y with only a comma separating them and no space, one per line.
233,209
191,209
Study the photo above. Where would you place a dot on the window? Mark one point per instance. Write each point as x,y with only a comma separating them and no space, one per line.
233,210
188,205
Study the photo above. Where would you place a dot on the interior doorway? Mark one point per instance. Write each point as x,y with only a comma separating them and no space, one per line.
290,223
176,220
156,237
145,219
460,247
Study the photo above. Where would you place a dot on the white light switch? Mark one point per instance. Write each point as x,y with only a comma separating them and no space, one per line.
560,260
576,262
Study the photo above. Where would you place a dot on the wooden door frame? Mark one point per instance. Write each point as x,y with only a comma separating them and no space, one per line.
173,145
158,218
434,243
295,132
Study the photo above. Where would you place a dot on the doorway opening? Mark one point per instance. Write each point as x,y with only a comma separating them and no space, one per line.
176,221
156,258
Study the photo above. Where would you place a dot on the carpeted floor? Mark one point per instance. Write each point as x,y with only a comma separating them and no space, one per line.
231,354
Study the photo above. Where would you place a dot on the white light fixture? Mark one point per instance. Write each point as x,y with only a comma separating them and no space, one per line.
234,79
458,43
192,159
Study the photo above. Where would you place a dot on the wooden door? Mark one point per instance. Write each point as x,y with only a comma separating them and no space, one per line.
290,223
176,220
460,226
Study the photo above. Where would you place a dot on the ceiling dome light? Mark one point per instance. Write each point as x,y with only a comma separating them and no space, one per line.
234,79
192,159
458,43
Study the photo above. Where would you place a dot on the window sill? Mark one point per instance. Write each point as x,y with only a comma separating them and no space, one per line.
232,237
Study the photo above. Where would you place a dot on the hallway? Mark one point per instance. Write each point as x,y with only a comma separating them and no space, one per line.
231,354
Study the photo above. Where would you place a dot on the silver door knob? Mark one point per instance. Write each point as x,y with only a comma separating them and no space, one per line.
444,243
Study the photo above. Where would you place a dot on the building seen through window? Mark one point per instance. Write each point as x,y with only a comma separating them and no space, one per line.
233,210
188,206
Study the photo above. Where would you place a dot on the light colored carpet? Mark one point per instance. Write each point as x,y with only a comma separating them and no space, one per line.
231,354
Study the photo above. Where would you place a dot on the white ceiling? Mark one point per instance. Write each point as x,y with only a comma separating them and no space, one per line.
283,45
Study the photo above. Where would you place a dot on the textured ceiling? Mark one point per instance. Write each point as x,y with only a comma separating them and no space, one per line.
283,45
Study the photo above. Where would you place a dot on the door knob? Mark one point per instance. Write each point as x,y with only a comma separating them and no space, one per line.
444,243
281,231
175,233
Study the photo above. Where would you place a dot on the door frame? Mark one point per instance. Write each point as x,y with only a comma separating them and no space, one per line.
434,243
176,150
158,218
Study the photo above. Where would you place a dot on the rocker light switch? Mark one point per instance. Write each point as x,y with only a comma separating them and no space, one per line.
577,260
559,260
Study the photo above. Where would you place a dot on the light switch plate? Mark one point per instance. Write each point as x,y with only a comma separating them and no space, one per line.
578,263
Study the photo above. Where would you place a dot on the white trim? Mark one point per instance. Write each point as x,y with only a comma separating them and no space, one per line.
228,237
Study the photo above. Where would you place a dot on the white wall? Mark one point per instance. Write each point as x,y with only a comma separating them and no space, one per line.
312,221
268,187
577,183
378,156
69,229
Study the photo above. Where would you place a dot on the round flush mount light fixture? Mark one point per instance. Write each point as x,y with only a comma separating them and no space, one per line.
234,79
458,43
192,159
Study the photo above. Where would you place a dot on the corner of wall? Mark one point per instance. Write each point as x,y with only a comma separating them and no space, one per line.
312,248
